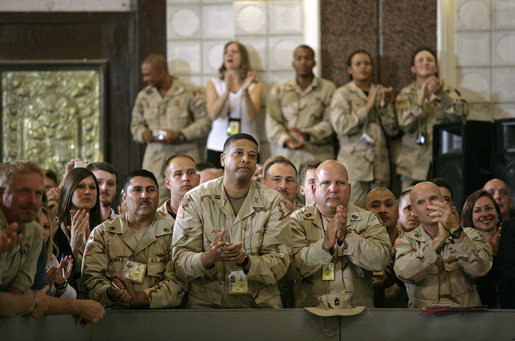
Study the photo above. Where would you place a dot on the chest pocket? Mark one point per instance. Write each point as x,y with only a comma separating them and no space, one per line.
253,240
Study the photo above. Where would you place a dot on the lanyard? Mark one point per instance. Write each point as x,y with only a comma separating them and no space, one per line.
322,220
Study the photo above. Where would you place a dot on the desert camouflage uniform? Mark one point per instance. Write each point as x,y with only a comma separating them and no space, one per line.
262,224
414,160
112,243
182,109
445,277
368,165
307,110
366,248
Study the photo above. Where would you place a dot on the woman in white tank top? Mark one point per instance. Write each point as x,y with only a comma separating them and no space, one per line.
233,100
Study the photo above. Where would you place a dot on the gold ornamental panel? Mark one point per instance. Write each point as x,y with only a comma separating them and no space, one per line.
51,117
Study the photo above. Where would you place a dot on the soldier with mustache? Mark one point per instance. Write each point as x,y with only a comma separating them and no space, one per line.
127,260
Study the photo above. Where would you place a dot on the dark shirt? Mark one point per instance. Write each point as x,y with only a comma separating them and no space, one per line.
506,264
40,279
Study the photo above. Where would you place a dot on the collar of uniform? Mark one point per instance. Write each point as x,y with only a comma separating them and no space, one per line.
253,200
176,88
158,227
354,88
420,235
293,86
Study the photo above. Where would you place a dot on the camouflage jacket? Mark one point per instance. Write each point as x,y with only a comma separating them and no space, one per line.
350,120
415,159
288,106
112,243
366,248
444,277
262,225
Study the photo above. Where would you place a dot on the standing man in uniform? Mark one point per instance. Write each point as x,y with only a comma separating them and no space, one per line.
336,245
297,118
232,236
169,115
439,258
180,176
127,260
107,178
501,193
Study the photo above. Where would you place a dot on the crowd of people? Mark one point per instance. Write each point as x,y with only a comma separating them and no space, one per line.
309,227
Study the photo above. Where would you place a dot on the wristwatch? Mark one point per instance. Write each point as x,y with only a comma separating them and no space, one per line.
457,233
61,286
244,263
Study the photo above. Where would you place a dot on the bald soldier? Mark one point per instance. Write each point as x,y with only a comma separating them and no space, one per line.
501,193
439,258
389,291
169,115
336,245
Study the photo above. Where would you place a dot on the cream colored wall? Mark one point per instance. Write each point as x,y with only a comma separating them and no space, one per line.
477,54
65,5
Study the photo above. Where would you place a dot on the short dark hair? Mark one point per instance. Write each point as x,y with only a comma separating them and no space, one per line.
49,173
304,46
407,191
468,208
139,172
103,166
240,136
349,60
176,156
204,165
420,49
156,61
441,182
278,160
305,167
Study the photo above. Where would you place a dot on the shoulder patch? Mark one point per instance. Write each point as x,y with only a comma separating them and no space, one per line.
398,240
180,213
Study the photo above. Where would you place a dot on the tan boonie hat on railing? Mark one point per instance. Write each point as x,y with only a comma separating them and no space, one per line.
335,304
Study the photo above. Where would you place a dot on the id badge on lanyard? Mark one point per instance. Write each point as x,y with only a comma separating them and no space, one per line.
327,269
235,279
234,126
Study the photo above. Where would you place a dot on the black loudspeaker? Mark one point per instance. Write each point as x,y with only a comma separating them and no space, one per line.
462,155
504,153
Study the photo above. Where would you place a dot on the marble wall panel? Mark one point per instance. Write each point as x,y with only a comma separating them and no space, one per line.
473,48
251,17
285,17
503,48
346,26
185,57
504,14
184,22
404,26
479,111
502,110
474,84
503,84
473,14
218,22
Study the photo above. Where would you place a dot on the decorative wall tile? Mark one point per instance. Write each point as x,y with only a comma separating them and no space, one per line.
184,57
251,17
257,49
196,80
183,22
473,49
206,78
503,48
500,110
189,2
473,15
479,112
285,17
65,6
280,51
504,13
503,84
218,22
474,84
213,56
